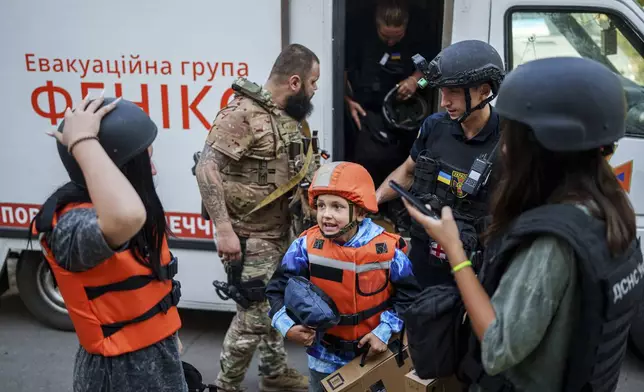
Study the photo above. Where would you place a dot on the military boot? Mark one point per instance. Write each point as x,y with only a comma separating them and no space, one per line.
289,381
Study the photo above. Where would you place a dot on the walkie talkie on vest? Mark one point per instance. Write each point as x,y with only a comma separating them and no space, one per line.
479,173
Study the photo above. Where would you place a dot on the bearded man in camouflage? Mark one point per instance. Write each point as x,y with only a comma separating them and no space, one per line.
254,147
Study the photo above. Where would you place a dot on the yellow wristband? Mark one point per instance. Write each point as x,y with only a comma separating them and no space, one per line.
462,265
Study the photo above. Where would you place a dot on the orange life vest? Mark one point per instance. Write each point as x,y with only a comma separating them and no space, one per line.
119,306
356,279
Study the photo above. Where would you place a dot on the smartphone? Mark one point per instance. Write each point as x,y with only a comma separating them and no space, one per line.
412,199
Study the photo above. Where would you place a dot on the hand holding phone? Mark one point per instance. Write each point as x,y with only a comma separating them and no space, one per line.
412,199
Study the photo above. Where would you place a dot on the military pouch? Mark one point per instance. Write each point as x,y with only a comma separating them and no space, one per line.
295,149
251,172
444,196
252,90
425,175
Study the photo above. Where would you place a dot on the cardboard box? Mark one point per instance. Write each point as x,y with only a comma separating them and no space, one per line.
380,373
413,383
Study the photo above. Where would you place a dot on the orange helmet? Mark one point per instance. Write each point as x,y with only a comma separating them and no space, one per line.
348,180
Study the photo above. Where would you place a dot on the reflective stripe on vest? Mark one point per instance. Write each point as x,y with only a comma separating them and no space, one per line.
118,306
319,260
356,279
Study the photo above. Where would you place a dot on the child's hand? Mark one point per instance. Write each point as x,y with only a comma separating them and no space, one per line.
301,335
376,346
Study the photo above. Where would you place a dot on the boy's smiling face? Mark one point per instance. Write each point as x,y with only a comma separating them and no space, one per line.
333,213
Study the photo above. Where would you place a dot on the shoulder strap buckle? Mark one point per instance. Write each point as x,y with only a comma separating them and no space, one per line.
169,270
172,299
175,293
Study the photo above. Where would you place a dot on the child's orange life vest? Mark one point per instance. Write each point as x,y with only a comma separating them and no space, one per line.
356,279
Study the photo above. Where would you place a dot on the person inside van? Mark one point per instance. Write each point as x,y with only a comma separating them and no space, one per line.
382,37
360,267
551,312
104,235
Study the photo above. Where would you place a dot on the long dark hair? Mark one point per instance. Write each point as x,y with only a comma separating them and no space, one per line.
146,245
533,176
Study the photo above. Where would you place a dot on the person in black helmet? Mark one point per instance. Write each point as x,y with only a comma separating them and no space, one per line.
468,74
104,236
563,272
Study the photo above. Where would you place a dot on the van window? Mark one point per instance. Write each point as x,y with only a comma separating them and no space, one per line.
600,36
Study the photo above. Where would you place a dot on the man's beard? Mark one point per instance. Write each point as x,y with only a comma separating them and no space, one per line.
298,106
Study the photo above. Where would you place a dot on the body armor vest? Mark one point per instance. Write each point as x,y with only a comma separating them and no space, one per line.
289,149
612,288
441,170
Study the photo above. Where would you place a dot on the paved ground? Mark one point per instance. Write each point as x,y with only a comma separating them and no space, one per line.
36,358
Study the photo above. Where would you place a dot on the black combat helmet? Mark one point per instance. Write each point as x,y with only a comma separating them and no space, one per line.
125,132
405,115
571,104
464,64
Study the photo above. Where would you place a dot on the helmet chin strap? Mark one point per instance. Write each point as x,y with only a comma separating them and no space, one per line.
468,104
350,226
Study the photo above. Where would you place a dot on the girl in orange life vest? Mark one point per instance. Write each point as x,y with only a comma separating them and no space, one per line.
104,237
355,262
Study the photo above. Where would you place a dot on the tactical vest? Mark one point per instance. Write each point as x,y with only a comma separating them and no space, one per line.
289,144
440,172
612,288
357,280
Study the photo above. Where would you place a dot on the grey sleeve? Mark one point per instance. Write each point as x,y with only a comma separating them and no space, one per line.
525,303
77,242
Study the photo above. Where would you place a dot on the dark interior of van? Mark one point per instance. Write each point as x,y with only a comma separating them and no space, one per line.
387,131
429,13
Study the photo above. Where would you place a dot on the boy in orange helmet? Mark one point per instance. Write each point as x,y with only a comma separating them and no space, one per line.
355,262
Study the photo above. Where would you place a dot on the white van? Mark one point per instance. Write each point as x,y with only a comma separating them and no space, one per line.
178,60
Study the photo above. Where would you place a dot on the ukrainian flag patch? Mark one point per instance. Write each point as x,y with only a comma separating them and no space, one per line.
395,56
445,178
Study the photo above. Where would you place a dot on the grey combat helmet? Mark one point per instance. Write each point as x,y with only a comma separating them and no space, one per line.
125,132
464,64
570,103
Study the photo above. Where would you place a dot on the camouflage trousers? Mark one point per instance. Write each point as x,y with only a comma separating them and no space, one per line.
251,328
